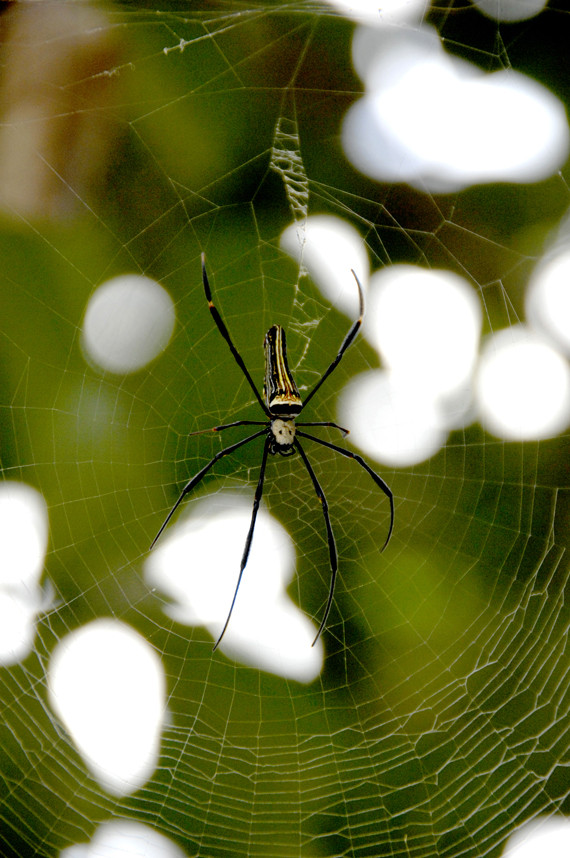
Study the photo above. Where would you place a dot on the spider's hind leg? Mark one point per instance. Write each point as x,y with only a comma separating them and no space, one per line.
330,537
245,556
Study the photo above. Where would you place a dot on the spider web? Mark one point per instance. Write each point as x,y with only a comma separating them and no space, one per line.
437,723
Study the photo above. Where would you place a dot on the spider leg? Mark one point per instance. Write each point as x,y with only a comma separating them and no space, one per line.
376,477
256,502
345,343
330,536
226,335
197,477
345,432
229,426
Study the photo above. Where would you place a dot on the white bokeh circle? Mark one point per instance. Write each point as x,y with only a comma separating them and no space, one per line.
522,386
331,249
24,526
426,324
391,418
548,299
107,685
128,322
543,837
510,10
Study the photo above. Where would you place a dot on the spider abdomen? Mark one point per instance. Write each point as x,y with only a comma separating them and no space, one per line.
281,394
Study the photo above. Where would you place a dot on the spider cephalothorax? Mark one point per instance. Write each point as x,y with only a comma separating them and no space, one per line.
282,431
282,406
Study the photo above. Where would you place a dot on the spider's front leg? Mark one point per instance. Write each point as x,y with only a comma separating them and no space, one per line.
191,484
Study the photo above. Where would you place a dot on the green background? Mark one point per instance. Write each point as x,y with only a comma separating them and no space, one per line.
440,720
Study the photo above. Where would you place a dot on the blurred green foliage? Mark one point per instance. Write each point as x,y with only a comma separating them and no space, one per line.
413,741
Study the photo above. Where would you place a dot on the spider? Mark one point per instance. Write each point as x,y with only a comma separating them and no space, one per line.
282,406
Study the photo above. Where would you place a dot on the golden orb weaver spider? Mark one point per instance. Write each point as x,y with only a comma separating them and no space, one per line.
282,406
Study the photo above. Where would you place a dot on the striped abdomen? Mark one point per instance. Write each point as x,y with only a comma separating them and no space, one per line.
279,389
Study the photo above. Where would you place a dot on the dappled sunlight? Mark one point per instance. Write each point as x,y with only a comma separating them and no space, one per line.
387,13
548,298
545,836
425,324
426,327
123,838
196,565
128,322
107,685
330,249
510,10
441,124
523,386
23,545
392,419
